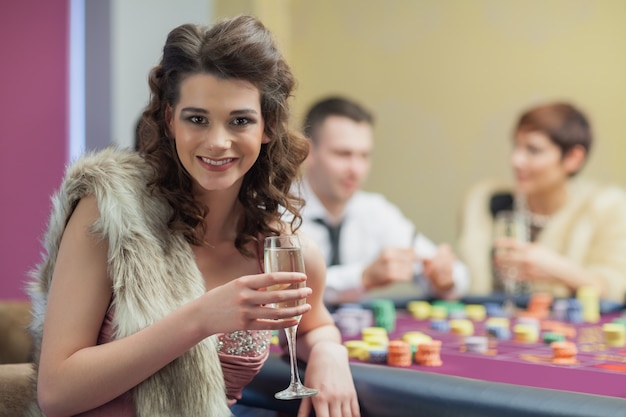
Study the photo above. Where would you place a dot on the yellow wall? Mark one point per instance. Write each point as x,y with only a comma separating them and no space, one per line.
448,78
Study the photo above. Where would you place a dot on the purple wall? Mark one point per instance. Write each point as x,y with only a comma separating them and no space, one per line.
34,68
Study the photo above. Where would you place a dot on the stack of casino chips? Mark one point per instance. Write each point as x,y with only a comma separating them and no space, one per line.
375,336
428,353
462,327
377,341
357,349
415,339
352,318
476,312
532,321
614,334
590,303
559,309
570,310
539,305
498,327
526,333
384,314
445,308
574,312
399,353
440,325
438,312
551,337
494,310
476,344
420,310
564,353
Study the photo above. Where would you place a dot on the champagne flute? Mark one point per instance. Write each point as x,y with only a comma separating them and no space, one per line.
510,224
283,253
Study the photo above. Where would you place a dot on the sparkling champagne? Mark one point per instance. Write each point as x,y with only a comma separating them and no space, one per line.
285,259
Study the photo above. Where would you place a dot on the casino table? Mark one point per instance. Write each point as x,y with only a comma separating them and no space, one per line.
517,380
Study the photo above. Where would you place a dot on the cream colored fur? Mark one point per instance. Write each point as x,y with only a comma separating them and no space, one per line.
590,230
152,271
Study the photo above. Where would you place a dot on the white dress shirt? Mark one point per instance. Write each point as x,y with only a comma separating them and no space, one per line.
370,224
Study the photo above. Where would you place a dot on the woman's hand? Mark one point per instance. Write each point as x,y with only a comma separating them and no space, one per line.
533,261
328,371
246,304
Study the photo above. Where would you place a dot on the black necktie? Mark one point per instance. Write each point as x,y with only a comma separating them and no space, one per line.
333,234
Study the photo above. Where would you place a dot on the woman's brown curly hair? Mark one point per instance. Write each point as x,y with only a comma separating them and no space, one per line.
238,48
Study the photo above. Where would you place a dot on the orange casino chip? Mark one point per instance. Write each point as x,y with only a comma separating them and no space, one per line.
399,353
564,353
428,353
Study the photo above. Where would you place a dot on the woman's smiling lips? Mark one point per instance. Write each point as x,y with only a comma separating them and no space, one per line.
217,164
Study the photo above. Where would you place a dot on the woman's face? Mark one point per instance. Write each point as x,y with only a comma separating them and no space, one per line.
537,163
218,129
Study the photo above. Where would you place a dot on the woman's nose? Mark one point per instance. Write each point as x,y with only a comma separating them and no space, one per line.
217,139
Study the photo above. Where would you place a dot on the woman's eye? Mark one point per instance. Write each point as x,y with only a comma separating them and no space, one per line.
197,119
241,121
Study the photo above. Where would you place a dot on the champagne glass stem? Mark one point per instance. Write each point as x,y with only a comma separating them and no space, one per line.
509,290
293,360
295,389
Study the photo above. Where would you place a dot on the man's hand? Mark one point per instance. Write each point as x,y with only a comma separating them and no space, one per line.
439,269
392,265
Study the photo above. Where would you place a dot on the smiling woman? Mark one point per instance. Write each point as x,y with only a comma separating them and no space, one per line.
577,227
153,276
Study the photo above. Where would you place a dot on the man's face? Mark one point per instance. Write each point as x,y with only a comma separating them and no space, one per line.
340,159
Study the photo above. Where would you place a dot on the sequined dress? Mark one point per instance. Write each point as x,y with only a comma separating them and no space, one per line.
242,354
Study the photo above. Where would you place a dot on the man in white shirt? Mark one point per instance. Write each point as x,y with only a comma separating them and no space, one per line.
368,243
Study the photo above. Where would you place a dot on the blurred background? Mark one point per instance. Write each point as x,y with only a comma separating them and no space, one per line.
446,80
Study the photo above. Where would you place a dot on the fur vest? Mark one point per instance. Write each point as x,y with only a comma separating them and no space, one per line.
590,229
152,272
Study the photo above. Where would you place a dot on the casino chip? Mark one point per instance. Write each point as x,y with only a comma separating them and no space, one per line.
526,333
476,312
415,339
350,319
476,344
549,337
494,310
384,314
498,327
357,349
420,310
590,302
462,327
614,334
428,353
377,355
376,337
574,313
399,353
564,353
440,325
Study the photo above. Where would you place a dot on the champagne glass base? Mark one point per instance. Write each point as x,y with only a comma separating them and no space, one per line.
509,307
295,392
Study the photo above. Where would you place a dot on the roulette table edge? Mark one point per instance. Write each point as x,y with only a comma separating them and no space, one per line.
396,392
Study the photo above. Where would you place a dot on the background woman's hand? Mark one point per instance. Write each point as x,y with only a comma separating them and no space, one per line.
533,261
